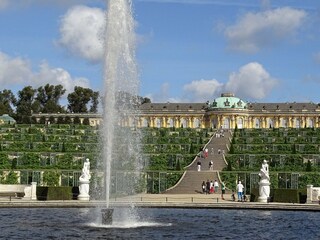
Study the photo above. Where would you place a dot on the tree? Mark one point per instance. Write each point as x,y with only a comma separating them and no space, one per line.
80,98
7,102
76,120
48,98
25,105
95,102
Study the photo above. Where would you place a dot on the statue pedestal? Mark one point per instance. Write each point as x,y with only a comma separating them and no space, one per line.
264,191
84,190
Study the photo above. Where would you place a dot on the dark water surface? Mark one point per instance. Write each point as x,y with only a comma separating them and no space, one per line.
161,223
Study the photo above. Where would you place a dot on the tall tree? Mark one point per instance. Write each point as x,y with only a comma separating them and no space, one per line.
25,104
79,99
48,98
7,102
94,101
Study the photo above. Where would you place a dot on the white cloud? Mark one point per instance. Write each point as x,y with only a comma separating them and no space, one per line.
257,30
202,90
251,81
57,76
18,72
81,32
14,71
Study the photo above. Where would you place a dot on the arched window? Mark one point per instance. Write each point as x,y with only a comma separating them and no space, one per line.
196,123
283,123
270,123
240,123
226,123
310,123
257,123
158,123
184,123
144,122
170,122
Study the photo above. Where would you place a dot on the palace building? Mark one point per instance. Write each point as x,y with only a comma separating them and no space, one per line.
226,111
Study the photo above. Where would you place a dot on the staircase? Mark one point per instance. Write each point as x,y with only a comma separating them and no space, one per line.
192,179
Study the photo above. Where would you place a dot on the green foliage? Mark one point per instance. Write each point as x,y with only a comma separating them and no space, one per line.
48,98
311,178
230,179
309,166
80,98
11,178
178,165
86,121
51,178
173,178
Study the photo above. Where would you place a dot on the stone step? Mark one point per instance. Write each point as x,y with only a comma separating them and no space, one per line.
192,180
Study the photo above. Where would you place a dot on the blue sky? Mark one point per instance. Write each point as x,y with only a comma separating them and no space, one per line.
188,50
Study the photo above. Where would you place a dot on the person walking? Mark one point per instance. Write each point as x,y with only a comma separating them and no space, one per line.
240,188
203,186
208,186
206,153
216,186
211,165
211,187
223,190
199,165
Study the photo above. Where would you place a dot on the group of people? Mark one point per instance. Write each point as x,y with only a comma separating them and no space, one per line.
219,134
209,187
204,154
199,165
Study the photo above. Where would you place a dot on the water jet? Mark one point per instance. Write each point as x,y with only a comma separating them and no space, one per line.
120,81
106,216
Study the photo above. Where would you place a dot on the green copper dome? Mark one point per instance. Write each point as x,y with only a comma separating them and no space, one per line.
228,100
5,118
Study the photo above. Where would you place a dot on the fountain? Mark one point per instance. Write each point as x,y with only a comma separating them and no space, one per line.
120,76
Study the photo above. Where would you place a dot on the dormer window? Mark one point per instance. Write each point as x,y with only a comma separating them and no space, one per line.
227,103
239,104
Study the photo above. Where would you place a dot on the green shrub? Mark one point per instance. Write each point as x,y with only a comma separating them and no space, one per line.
54,193
51,178
286,195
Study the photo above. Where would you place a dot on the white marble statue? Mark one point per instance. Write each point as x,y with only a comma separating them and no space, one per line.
264,184
264,171
85,176
84,181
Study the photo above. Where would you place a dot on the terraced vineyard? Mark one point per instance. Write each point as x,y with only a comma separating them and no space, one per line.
54,154
293,156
